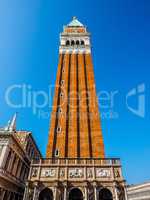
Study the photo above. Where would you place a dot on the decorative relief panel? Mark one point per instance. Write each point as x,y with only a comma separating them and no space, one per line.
76,173
48,173
103,173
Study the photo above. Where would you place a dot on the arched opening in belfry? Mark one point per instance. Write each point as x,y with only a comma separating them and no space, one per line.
82,42
67,43
77,42
72,42
46,194
75,194
105,194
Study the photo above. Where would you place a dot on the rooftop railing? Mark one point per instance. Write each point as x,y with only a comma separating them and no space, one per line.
77,161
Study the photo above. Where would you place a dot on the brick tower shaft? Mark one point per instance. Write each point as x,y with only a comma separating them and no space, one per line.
75,129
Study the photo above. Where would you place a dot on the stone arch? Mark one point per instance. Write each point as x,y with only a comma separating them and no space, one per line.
75,194
77,42
46,194
105,194
82,42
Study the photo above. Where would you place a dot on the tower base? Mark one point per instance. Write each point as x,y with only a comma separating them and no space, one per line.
75,179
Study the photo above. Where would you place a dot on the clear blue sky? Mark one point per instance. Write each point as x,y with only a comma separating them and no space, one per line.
29,39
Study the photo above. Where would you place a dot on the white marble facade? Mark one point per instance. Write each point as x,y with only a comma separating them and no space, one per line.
15,158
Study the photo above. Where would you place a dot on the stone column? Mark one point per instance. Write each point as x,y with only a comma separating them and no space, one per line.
95,192
125,193
86,192
14,196
3,194
26,191
55,193
9,195
116,194
35,194
65,193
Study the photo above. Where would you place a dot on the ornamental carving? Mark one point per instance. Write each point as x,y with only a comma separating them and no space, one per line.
76,173
103,173
48,173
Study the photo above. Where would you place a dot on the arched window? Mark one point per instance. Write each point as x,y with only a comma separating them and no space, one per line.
61,94
59,110
72,42
62,82
67,43
57,153
77,42
82,42
58,129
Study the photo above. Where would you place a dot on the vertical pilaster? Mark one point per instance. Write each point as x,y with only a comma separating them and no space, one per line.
63,107
83,107
95,125
68,107
72,138
52,133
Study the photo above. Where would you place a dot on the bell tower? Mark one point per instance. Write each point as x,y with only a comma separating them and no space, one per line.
75,130
75,167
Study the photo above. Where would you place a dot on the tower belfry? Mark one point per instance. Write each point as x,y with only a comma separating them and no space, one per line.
75,167
75,129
